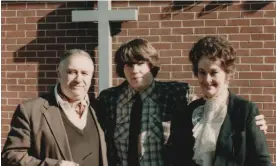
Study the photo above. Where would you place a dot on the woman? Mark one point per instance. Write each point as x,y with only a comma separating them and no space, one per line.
223,124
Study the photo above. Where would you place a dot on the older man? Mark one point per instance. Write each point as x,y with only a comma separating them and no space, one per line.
59,128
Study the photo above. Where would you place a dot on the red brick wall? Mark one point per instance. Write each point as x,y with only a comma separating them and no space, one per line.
35,34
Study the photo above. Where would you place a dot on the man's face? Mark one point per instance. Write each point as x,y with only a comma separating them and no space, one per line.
75,75
138,75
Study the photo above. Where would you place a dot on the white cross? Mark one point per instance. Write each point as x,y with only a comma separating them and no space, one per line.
103,15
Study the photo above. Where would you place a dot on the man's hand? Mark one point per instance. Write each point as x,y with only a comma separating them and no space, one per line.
260,121
66,163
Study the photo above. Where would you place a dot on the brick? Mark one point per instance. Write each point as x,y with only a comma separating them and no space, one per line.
16,6
171,24
55,19
250,75
181,75
270,29
215,22
239,37
269,44
149,10
269,91
262,21
205,30
170,53
27,27
262,98
208,15
251,90
8,27
35,20
165,60
262,67
251,60
171,38
35,88
8,67
228,30
27,67
139,3
159,17
9,95
45,12
193,23
261,83
269,105
245,14
130,24
64,40
182,31
35,5
8,13
262,37
8,81
144,17
229,15
55,47
261,52
160,3
8,41
25,13
37,74
269,14
243,67
159,31
182,45
252,44
238,22
135,32
171,68
24,40
161,46
120,3
192,38
15,20
257,29
47,26
151,24
52,60
73,46
16,88
183,16
180,60
269,75
14,47
151,38
27,81
270,60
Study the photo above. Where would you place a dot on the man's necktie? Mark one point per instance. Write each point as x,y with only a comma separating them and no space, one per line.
134,131
80,109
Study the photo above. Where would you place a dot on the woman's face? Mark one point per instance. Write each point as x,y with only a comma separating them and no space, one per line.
211,77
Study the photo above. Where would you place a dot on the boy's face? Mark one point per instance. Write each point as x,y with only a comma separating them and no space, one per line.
138,75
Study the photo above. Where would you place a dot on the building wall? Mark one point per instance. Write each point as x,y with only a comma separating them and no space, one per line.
35,34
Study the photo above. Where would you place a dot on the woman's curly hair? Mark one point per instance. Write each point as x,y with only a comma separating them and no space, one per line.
215,48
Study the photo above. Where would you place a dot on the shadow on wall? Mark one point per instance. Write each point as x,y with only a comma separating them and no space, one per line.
56,33
176,6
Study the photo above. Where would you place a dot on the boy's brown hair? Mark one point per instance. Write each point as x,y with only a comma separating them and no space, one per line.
136,51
